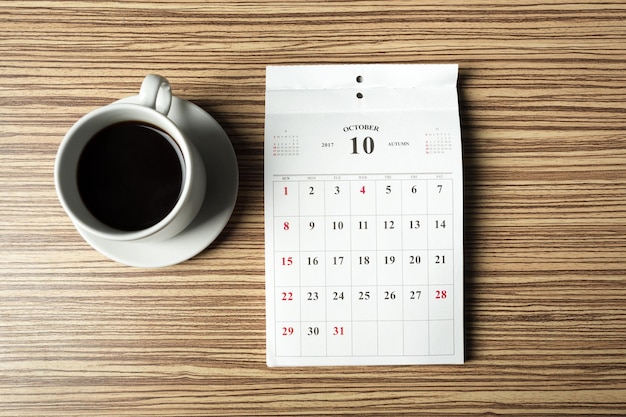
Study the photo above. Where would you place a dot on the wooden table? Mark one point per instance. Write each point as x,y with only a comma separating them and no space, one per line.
542,90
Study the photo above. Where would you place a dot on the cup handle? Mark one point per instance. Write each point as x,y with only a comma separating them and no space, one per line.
156,93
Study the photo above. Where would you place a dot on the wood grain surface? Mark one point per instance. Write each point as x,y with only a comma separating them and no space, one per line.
542,90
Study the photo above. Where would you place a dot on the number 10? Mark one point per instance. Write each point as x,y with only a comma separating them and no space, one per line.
368,145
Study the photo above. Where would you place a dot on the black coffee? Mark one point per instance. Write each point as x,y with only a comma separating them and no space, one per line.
130,175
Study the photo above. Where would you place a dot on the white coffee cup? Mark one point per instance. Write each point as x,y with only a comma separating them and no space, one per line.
155,99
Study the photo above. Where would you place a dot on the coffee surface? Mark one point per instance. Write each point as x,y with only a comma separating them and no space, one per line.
130,175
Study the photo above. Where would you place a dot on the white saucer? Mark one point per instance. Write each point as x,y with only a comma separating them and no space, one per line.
221,194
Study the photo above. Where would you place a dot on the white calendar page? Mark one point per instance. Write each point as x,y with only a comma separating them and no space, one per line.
363,215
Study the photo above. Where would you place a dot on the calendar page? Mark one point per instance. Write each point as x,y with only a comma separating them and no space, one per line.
363,215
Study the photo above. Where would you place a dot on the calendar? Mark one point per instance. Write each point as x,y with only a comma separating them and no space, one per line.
363,196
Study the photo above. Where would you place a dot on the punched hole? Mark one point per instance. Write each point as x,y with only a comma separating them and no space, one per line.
359,79
359,95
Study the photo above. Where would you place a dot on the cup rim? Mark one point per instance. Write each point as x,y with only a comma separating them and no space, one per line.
93,122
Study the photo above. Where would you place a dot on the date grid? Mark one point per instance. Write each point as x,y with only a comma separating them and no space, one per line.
363,265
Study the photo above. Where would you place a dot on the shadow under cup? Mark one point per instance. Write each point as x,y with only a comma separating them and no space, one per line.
124,172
